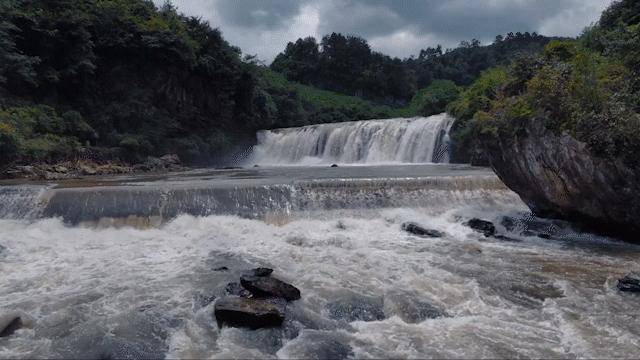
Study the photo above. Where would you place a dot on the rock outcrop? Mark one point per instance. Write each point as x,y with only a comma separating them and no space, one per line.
558,176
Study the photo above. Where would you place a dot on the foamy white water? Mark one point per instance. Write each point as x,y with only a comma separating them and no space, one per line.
389,141
106,292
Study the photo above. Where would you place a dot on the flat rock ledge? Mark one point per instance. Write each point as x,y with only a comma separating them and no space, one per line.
253,313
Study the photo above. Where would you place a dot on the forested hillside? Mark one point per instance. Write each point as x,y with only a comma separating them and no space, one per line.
346,64
123,79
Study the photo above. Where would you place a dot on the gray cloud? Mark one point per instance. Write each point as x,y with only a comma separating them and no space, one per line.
397,27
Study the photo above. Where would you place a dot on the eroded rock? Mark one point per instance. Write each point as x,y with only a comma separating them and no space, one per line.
418,230
262,286
252,313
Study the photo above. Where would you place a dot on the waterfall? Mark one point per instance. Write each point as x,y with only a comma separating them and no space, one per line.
401,140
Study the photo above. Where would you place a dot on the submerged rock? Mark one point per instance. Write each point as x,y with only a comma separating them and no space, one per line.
630,282
357,308
334,165
410,308
221,268
252,313
483,226
418,230
314,344
262,286
236,289
9,324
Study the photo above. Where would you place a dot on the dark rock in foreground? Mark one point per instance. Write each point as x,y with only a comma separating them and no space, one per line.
262,286
418,230
261,272
252,313
9,324
357,308
483,226
630,283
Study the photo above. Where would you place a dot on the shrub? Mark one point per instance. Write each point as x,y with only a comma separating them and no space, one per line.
9,143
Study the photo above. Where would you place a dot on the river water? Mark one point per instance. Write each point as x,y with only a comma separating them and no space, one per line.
127,267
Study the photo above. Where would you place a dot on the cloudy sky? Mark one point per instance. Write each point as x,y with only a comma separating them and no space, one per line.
396,27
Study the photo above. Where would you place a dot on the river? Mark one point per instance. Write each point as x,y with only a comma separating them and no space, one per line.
130,267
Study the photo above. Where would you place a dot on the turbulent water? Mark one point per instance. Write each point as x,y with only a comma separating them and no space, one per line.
369,290
415,140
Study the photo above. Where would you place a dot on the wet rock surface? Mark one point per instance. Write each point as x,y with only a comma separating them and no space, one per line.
630,282
236,289
485,227
266,286
252,313
256,302
418,230
411,308
558,177
9,324
355,307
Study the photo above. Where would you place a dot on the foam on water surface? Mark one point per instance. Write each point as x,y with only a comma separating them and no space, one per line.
369,289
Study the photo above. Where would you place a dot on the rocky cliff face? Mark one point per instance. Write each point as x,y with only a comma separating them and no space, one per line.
557,176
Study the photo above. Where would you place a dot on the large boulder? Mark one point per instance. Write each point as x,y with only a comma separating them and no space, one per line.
252,313
266,286
557,176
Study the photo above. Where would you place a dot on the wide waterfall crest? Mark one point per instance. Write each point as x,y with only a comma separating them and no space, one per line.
401,140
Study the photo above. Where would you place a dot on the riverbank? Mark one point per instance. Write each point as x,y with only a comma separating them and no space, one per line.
75,169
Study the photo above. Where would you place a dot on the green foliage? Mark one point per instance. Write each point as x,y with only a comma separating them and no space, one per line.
587,88
346,64
560,50
435,98
9,142
50,147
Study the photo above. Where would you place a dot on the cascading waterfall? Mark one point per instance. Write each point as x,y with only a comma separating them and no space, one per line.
401,140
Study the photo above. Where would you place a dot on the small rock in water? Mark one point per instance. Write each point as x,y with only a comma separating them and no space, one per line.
261,272
221,268
256,166
261,286
418,230
334,165
630,283
357,308
9,324
483,226
236,289
251,313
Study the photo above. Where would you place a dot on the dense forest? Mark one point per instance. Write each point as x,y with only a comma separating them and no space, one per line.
346,64
124,79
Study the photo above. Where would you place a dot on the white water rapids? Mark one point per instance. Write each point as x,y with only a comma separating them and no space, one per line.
389,141
369,289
